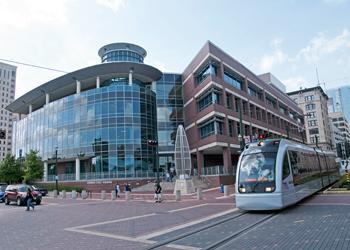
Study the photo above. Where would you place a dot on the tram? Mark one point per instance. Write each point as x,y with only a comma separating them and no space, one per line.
276,173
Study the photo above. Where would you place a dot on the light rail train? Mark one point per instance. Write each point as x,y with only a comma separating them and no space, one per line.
276,173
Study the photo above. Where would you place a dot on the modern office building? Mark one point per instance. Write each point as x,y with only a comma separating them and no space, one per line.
313,102
271,79
340,100
96,121
218,91
8,87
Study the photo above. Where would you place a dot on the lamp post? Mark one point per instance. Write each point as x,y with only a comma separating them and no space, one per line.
56,176
241,131
155,143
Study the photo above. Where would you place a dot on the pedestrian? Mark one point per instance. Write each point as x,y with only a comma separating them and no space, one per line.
158,193
167,176
117,190
29,198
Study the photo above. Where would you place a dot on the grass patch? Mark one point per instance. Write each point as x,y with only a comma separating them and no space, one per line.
342,183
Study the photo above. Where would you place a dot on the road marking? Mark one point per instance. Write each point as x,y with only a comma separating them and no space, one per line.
298,221
221,204
223,197
168,230
111,221
182,247
114,236
186,208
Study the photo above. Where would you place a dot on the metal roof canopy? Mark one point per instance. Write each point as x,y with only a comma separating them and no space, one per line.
66,85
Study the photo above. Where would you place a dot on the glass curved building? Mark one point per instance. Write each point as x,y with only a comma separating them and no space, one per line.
96,121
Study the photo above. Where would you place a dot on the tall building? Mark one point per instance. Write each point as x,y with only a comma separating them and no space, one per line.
340,100
313,102
96,122
224,102
339,121
8,87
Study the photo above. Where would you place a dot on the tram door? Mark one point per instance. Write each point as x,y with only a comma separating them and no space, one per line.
287,180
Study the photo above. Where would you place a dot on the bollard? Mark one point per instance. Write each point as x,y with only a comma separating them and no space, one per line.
74,194
226,192
127,195
84,194
103,195
178,195
199,194
55,194
64,194
113,195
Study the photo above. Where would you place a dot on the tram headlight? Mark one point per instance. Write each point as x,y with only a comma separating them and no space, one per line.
269,189
242,190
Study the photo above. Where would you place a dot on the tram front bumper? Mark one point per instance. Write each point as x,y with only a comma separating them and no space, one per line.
261,201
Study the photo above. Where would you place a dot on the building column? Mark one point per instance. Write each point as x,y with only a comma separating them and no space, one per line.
30,108
98,82
47,98
130,77
227,159
221,72
200,162
77,169
45,170
78,86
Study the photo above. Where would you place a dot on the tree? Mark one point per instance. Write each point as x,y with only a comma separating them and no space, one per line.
33,166
10,170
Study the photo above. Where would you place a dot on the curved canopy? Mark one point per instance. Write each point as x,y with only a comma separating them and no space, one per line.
66,85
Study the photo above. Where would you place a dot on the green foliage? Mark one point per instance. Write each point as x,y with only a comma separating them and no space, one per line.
33,167
10,170
52,186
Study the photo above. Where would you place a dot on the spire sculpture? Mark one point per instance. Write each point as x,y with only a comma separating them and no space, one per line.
182,154
183,163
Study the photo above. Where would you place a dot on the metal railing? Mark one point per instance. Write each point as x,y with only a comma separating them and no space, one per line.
106,175
215,170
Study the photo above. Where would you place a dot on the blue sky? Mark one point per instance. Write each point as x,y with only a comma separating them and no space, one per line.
289,38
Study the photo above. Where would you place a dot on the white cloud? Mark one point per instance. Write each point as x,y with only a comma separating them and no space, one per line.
295,83
115,5
22,14
268,61
322,45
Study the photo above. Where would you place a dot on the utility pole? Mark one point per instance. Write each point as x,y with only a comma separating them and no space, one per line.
241,131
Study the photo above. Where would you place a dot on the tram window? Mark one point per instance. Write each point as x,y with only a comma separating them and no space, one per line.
285,169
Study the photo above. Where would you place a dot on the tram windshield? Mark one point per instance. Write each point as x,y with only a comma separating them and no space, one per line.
257,173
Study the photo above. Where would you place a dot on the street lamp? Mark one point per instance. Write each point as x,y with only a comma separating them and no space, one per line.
241,142
56,176
155,143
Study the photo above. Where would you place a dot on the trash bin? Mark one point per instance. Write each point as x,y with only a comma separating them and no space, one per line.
221,188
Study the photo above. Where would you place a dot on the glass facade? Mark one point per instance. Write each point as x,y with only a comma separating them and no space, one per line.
169,116
341,100
122,56
106,127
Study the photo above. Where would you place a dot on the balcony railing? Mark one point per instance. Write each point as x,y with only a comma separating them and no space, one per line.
215,170
106,175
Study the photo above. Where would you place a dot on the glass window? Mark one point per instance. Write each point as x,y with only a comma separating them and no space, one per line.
257,173
285,169
234,80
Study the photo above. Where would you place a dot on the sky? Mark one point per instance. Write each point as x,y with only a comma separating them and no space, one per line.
289,38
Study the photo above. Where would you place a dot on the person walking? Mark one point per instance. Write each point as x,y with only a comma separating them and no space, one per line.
29,198
158,193
117,190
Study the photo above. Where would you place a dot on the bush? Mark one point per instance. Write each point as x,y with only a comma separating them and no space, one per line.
52,186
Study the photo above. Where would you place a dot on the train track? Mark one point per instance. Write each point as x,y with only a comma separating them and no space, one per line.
222,241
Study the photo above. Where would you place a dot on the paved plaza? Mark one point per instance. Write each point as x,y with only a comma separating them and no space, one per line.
320,222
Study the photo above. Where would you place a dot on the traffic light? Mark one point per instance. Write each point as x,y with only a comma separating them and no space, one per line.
2,134
261,137
152,142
